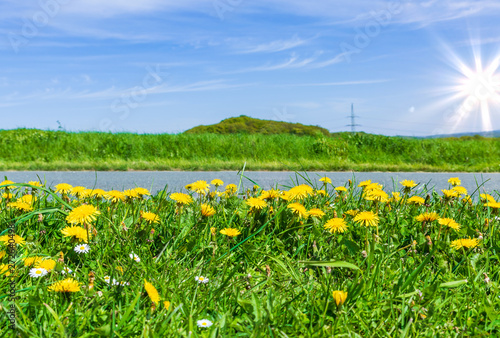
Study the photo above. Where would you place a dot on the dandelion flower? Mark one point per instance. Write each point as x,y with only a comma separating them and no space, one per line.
152,292
449,193
150,217
166,304
230,232
207,210
17,239
373,186
298,210
269,195
38,272
339,296
82,248
494,205
427,217
64,188
201,279
134,257
216,182
31,261
408,184
366,218
449,223
487,198
301,191
336,225
256,203
200,187
115,196
341,189
396,196
131,193
76,232
47,264
77,191
325,180
454,181
20,205
460,190
2,254
181,198
231,188
7,182
4,269
465,243
415,200
364,183
351,212
204,323
142,191
66,285
314,212
83,214
376,195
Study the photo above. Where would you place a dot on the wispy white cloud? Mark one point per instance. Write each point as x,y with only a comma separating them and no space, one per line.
274,46
340,83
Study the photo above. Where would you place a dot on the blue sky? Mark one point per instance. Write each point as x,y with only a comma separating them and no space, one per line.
410,67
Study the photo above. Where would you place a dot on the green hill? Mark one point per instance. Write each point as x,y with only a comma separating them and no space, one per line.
248,125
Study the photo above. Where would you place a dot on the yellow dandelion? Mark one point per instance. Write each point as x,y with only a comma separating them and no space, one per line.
77,191
230,232
66,285
465,243
454,181
98,193
150,217
373,186
408,183
27,199
325,180
131,193
376,195
364,183
231,188
83,214
19,205
2,254
152,292
494,205
31,261
460,190
396,196
64,188
487,198
269,195
341,189
321,192
181,198
352,212
166,304
76,232
415,200
115,196
7,182
450,223
314,212
336,225
256,203
142,191
298,210
47,264
200,187
339,297
216,182
449,193
207,210
285,195
427,217
17,239
301,191
35,183
366,218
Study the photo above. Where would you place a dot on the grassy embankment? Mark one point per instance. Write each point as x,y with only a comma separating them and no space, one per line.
30,149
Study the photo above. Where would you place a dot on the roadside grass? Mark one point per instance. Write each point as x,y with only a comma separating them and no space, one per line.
403,277
30,149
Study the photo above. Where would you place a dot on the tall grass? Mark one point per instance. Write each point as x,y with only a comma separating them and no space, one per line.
27,149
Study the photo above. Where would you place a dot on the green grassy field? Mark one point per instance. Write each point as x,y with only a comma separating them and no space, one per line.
312,261
30,149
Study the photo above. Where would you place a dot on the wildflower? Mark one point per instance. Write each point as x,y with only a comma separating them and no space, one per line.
115,196
449,193
131,193
325,180
200,187
107,279
38,272
396,196
166,304
83,214
454,181
336,225
216,182
204,323
339,296
30,261
2,254
373,186
231,189
7,182
464,243
181,199
341,189
449,223
4,269
35,183
301,191
142,191
82,248
66,270
64,188
256,203
269,195
352,212
207,210
298,210
467,199
487,198
494,205
376,195
213,231
408,184
7,195
366,218
152,292
20,205
460,190
230,232
415,200
201,279
17,239
78,191
47,264
134,257
427,217
364,183
76,232
150,217
318,213
66,285
321,192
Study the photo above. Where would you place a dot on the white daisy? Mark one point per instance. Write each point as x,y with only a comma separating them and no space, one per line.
82,248
38,272
201,279
204,323
66,270
107,279
135,257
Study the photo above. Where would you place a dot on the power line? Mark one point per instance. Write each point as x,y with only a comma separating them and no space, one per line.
353,124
